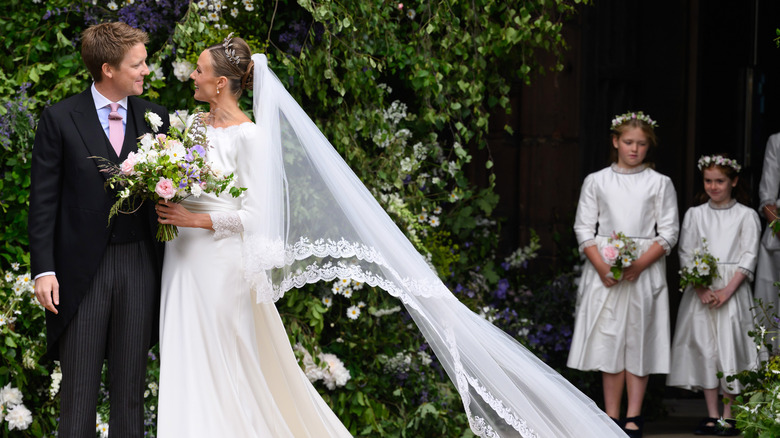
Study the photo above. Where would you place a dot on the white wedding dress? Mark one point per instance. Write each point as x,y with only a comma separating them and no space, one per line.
227,367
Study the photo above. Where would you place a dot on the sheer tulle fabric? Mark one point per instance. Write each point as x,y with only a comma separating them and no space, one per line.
308,218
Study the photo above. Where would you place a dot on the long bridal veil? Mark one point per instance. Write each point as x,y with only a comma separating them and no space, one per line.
309,218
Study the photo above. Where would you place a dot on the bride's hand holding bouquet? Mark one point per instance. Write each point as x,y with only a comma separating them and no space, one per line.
168,167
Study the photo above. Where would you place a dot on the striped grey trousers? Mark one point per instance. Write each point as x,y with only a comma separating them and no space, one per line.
114,321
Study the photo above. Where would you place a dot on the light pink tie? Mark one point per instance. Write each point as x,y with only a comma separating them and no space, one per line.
116,134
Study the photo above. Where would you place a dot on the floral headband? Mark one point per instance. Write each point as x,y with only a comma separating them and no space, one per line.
718,160
639,115
230,53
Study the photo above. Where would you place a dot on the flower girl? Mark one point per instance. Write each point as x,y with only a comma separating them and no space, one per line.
626,222
718,247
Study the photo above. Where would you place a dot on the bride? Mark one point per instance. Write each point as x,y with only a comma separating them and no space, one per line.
227,367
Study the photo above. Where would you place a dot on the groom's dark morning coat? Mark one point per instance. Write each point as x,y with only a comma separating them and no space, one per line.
69,202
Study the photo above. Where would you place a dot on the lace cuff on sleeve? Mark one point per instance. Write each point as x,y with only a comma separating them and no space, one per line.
748,273
664,243
585,244
226,224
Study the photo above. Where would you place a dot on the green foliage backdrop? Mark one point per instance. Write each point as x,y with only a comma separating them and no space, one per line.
402,90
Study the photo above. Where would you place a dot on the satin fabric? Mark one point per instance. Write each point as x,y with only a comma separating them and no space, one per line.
768,267
227,367
625,327
708,341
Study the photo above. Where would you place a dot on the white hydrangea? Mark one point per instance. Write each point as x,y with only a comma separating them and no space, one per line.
10,396
333,374
18,417
182,69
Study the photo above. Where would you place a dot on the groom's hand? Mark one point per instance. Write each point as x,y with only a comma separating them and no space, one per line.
47,290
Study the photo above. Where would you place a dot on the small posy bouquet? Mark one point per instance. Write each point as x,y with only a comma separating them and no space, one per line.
702,269
171,167
619,253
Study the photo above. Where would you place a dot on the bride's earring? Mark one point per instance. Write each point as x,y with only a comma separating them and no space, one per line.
217,91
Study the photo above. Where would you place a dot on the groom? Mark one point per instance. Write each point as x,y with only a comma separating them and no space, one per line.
98,281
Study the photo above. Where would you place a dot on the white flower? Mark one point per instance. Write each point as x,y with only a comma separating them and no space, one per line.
178,119
182,69
435,221
353,312
176,152
356,285
453,197
111,5
626,261
196,190
15,266
213,16
347,292
202,4
422,217
327,300
102,428
19,417
411,14
248,6
10,396
361,304
156,71
147,142
336,289
56,378
154,120
704,269
382,312
234,12
9,277
336,374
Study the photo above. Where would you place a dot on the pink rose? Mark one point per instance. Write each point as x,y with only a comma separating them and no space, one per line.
164,188
610,254
128,165
400,6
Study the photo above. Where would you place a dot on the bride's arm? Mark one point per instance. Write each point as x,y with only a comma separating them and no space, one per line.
175,214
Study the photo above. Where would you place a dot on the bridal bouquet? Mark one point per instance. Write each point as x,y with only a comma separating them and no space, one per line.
171,167
702,269
619,253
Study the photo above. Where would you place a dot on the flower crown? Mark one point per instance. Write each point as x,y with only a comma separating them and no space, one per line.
639,115
229,52
718,160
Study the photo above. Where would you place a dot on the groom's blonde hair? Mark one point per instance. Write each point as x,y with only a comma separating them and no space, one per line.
108,43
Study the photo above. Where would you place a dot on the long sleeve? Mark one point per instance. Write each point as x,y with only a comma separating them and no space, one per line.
689,239
666,216
44,194
587,216
770,176
749,237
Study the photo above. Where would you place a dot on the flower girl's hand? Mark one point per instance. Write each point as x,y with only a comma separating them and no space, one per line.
632,272
604,273
723,295
707,296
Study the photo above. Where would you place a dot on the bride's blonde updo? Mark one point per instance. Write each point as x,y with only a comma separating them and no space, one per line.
233,60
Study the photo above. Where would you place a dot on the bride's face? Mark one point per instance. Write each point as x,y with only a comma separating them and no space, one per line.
204,79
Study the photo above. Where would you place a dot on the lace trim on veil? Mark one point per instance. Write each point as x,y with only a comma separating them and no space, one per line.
478,424
262,255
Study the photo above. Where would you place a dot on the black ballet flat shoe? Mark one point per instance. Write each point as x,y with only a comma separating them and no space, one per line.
705,428
634,433
730,430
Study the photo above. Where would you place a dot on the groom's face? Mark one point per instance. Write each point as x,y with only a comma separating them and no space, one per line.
128,78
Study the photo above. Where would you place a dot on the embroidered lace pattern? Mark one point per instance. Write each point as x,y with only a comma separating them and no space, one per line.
478,425
226,224
262,255
748,273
